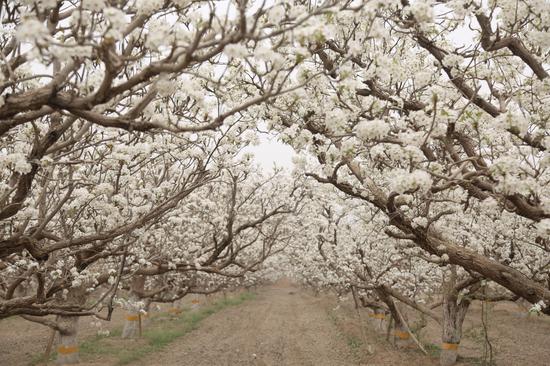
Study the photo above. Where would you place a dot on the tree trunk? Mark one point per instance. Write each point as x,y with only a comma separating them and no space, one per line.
195,304
355,300
401,335
67,349
454,312
174,310
131,324
378,319
146,318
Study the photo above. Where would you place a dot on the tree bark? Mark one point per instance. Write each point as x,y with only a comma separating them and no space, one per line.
146,318
401,335
67,349
454,312
131,323
379,320
434,242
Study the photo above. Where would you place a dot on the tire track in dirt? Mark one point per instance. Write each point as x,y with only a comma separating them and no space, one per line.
282,326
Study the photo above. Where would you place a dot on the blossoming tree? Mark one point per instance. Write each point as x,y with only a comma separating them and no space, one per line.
423,125
426,151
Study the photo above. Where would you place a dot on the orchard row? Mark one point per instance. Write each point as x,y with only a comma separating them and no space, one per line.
421,133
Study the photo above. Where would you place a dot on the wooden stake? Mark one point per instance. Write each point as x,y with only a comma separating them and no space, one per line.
388,330
49,346
139,323
354,293
406,326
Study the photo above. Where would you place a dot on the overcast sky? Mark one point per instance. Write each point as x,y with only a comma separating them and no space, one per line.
270,151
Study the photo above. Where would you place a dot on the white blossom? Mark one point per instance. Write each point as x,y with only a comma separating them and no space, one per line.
369,130
235,51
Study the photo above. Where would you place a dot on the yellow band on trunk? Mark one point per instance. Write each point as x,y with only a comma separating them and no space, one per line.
402,335
378,316
67,350
449,346
132,318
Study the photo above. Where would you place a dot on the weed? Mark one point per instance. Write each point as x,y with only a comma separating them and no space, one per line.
433,349
475,333
474,361
354,342
40,359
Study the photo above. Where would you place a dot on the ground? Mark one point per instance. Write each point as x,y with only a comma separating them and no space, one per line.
286,325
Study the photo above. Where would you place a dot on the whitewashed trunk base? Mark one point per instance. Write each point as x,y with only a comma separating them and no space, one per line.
131,326
146,319
67,349
402,338
448,357
378,321
380,325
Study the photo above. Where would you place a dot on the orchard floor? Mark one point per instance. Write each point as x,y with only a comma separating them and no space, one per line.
281,326
287,326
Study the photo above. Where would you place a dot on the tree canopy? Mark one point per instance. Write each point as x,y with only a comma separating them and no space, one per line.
421,129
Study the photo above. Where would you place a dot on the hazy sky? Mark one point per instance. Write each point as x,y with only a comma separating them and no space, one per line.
270,151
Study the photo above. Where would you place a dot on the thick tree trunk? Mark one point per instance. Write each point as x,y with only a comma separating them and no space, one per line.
195,304
454,312
131,325
355,299
401,335
146,318
67,349
132,321
174,310
378,319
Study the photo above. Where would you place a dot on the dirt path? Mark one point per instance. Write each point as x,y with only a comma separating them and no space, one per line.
287,326
281,326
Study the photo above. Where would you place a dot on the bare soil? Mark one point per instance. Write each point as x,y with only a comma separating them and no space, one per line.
289,326
279,327
516,338
284,325
21,341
